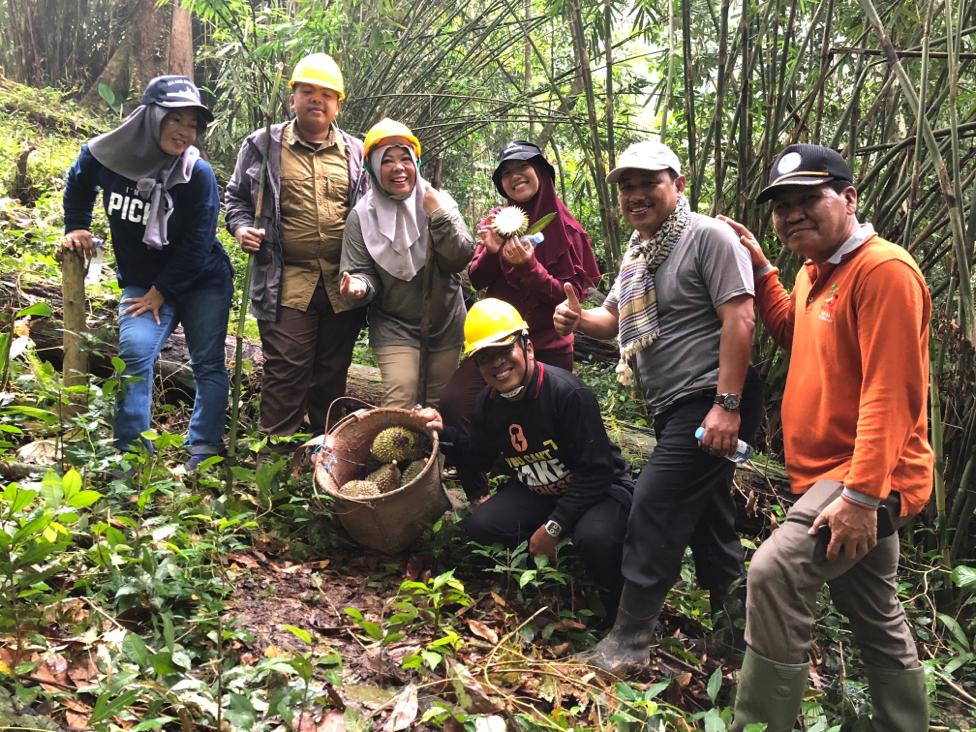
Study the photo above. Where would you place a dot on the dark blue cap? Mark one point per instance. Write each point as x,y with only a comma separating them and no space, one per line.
520,150
175,92
802,164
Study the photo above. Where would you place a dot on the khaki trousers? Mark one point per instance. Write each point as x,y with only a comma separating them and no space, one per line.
787,572
400,371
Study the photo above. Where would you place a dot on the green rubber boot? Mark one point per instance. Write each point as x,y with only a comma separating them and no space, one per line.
768,692
728,640
626,648
899,700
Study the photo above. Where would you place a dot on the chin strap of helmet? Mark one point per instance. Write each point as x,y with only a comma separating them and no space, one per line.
527,376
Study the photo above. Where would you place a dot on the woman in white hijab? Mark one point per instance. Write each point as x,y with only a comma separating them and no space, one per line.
161,201
384,255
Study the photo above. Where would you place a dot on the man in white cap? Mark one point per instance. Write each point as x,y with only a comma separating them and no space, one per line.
682,307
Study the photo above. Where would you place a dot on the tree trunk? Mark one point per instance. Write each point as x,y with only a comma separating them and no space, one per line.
148,51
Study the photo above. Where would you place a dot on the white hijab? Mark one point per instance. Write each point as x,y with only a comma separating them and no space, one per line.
394,229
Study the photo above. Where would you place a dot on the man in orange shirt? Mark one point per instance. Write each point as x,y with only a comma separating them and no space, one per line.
855,438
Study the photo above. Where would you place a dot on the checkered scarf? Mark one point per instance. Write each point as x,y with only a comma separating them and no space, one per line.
636,300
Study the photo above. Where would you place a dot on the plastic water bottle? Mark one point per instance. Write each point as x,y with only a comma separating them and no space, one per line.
742,450
533,239
94,273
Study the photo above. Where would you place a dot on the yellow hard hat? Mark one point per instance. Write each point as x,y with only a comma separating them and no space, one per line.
385,129
492,322
319,69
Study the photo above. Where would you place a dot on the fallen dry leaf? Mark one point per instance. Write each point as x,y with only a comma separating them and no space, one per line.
567,624
499,600
561,649
332,722
404,711
483,631
245,560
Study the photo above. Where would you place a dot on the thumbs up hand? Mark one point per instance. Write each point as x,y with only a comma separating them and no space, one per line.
566,317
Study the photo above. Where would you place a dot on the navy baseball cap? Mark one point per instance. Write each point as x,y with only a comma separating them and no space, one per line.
802,164
520,150
175,92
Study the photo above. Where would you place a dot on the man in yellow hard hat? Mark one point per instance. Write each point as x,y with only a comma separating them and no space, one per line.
314,177
567,479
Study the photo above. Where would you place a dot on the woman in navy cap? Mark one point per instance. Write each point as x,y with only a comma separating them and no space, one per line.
533,279
161,201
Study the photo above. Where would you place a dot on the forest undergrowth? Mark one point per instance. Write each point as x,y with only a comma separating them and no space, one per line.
136,596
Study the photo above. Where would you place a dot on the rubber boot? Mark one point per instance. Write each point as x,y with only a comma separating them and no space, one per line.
768,692
626,648
899,700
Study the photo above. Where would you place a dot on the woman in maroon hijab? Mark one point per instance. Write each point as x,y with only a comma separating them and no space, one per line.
530,278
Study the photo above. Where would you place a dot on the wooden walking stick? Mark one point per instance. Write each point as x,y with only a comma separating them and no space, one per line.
423,376
75,364
235,406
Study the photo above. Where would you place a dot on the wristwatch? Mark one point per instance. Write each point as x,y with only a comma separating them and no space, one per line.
553,529
728,402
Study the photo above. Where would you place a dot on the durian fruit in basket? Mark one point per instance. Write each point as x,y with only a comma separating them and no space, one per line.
411,472
397,445
360,489
386,478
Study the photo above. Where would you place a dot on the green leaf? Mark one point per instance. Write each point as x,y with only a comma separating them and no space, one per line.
104,709
964,577
541,224
303,635
71,483
526,577
106,93
19,498
83,499
38,308
954,628
135,649
714,684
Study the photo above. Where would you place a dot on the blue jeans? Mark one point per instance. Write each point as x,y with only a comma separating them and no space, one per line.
203,314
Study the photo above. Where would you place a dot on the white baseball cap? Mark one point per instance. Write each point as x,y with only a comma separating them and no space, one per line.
647,155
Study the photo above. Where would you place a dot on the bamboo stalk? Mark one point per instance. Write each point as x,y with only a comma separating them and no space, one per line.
245,295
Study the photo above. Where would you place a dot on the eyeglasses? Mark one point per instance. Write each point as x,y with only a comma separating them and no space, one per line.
488,355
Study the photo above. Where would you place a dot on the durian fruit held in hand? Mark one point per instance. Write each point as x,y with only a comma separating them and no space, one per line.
510,221
396,445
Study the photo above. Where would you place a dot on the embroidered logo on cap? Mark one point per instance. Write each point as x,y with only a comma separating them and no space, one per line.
788,163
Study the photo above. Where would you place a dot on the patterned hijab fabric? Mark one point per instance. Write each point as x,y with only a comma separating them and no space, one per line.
637,300
132,150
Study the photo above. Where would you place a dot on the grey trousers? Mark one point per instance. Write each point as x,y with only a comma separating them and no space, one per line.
787,572
400,372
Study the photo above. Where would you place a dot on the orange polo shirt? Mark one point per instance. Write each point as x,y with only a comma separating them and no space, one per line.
855,405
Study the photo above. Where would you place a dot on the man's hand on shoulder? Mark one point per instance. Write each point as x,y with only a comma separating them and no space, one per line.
853,528
759,260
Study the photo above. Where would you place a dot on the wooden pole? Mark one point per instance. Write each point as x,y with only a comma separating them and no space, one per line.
75,366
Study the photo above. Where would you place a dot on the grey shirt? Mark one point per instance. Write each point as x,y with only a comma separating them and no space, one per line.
706,268
395,306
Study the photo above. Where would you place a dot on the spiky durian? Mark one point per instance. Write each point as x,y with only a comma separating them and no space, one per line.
360,489
386,478
395,445
510,221
413,470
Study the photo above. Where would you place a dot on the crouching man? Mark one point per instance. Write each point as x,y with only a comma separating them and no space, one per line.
566,477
